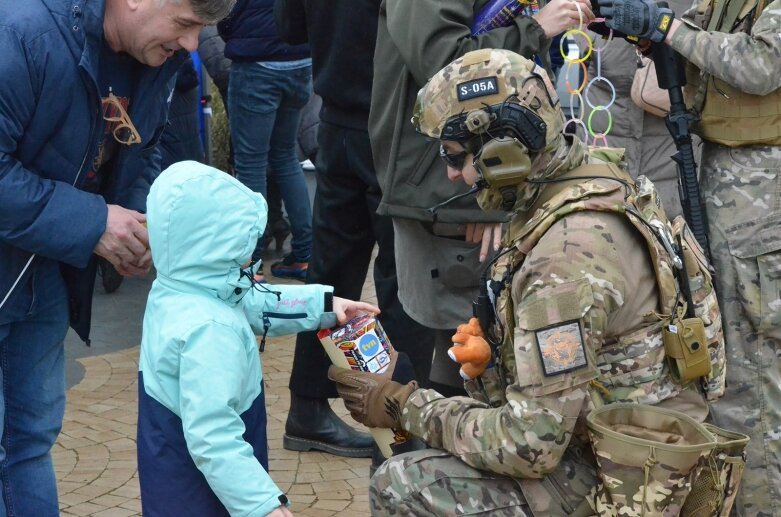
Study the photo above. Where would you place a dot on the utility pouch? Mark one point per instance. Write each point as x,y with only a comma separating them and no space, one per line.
715,488
647,458
686,349
705,305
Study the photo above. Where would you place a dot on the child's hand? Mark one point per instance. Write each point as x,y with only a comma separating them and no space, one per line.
281,511
346,310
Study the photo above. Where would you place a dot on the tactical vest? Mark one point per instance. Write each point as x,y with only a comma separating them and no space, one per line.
653,382
729,116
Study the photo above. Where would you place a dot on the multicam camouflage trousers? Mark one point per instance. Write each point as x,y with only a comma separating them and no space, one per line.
434,482
742,192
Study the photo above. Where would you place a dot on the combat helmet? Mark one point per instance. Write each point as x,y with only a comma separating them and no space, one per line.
502,108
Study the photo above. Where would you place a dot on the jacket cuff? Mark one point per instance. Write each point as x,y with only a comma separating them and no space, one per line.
328,317
414,416
270,505
685,36
531,29
87,215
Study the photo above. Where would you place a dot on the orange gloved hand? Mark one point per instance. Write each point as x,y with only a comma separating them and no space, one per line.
470,349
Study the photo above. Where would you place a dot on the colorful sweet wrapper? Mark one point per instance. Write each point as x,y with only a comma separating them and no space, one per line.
498,13
362,345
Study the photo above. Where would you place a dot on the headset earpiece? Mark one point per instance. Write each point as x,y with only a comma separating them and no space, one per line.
504,162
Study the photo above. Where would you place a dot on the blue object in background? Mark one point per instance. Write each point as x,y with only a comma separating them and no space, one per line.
204,102
500,13
497,13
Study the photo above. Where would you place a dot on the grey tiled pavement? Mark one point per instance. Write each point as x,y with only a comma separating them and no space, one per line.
95,453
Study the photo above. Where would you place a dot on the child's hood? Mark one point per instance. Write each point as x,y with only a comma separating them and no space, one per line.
203,226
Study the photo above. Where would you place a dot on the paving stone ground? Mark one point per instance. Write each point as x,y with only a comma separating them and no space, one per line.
95,455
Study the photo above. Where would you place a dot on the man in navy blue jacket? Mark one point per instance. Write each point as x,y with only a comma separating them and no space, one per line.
83,100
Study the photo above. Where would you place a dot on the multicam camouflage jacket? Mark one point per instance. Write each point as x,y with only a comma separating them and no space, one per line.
734,70
745,56
581,324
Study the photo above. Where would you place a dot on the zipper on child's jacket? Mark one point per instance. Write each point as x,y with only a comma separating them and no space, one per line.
279,315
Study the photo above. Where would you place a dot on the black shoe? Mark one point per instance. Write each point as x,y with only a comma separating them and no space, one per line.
110,277
276,231
313,425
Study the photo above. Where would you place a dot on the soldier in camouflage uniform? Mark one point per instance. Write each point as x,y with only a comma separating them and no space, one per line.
580,306
733,51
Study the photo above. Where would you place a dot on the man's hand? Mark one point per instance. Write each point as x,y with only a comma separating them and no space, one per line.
372,399
561,15
488,234
125,242
346,310
641,18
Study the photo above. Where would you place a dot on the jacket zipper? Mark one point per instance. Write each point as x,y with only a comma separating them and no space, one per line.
33,255
279,315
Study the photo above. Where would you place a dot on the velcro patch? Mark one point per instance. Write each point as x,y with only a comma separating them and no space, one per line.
561,347
477,88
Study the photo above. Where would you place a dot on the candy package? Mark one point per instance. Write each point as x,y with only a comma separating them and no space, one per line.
363,343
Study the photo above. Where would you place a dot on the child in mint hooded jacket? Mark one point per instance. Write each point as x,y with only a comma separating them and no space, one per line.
202,420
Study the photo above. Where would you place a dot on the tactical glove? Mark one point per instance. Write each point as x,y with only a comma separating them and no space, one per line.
603,30
373,400
641,18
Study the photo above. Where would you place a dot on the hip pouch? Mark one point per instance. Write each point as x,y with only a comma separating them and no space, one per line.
647,458
715,488
708,361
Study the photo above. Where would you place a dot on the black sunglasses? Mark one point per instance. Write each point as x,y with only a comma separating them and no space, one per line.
456,161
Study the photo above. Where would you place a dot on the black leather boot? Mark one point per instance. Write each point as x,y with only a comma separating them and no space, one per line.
313,425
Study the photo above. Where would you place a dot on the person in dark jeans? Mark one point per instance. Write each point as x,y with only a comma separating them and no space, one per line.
346,226
270,83
212,52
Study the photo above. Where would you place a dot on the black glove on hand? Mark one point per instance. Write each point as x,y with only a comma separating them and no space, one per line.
641,18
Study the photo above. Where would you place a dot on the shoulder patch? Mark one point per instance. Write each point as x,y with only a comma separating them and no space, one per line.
477,88
561,347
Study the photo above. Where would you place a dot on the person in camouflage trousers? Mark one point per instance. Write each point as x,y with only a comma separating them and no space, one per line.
580,307
733,51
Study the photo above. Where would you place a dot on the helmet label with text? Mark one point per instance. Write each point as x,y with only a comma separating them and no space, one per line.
477,88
